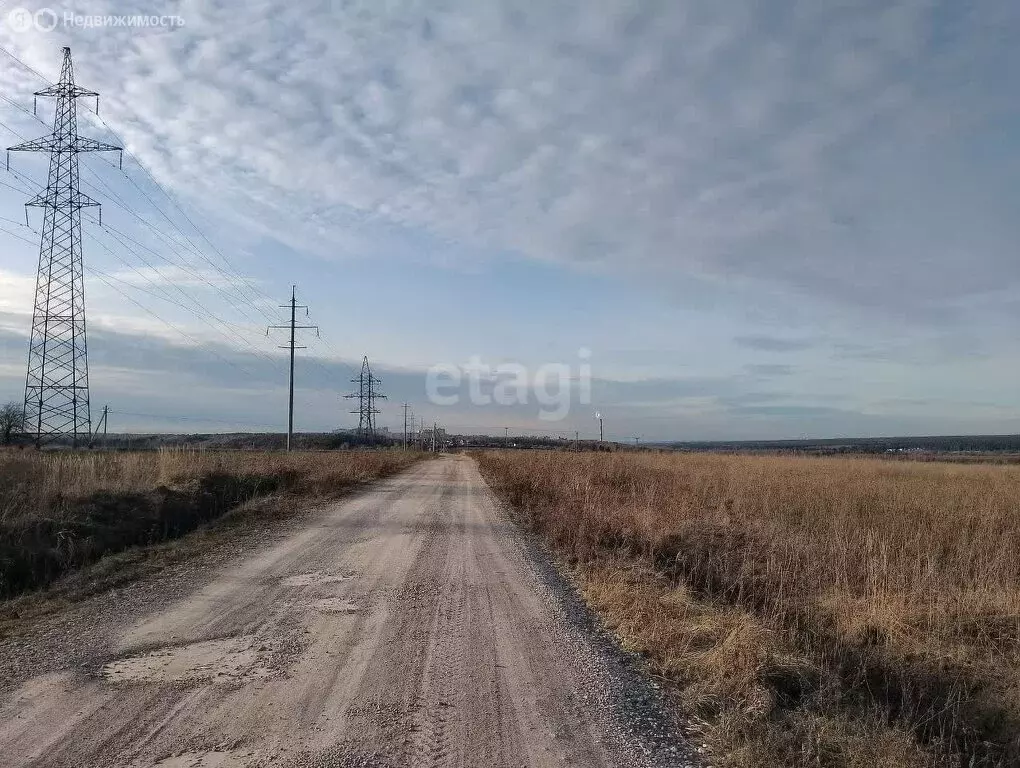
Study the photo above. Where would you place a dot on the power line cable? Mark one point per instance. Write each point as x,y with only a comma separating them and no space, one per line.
185,264
242,282
204,310
22,63
106,279
20,237
239,423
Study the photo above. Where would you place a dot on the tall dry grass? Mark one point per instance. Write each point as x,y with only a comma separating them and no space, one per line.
818,611
34,483
62,510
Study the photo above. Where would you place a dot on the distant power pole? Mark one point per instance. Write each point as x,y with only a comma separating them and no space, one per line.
433,437
294,306
577,440
366,394
102,423
599,417
57,383
506,437
637,440
406,406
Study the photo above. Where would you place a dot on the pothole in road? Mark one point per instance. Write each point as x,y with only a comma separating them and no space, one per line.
336,605
313,579
223,660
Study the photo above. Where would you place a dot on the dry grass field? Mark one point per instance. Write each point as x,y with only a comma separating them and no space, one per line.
812,611
61,510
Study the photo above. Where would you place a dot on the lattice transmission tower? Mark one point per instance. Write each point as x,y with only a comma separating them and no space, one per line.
57,384
366,393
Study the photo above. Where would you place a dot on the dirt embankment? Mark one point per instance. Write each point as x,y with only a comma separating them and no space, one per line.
62,511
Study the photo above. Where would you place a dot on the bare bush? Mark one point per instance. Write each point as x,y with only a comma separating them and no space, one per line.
12,421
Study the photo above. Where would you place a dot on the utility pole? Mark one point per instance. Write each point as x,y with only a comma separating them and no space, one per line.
57,382
294,306
577,438
506,437
599,417
406,406
433,437
102,423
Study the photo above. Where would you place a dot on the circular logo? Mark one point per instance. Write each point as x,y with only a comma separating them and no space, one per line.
45,19
20,19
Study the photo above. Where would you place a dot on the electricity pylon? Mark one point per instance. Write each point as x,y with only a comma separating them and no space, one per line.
367,393
57,383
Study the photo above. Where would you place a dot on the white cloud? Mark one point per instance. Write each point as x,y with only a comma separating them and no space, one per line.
16,293
802,157
186,277
809,144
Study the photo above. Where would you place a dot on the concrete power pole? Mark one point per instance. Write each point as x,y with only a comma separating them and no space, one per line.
294,306
102,423
406,406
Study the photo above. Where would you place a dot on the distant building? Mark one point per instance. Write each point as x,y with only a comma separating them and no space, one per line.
442,438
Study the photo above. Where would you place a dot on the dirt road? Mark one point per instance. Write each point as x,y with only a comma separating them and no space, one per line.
410,625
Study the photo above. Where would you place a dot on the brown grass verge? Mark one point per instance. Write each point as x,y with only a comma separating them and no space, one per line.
812,611
62,511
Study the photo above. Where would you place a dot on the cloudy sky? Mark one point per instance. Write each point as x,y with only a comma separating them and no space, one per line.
763,219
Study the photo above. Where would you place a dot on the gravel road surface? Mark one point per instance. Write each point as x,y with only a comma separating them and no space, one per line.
412,624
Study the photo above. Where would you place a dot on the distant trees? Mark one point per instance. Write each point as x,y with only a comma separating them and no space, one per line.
12,420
